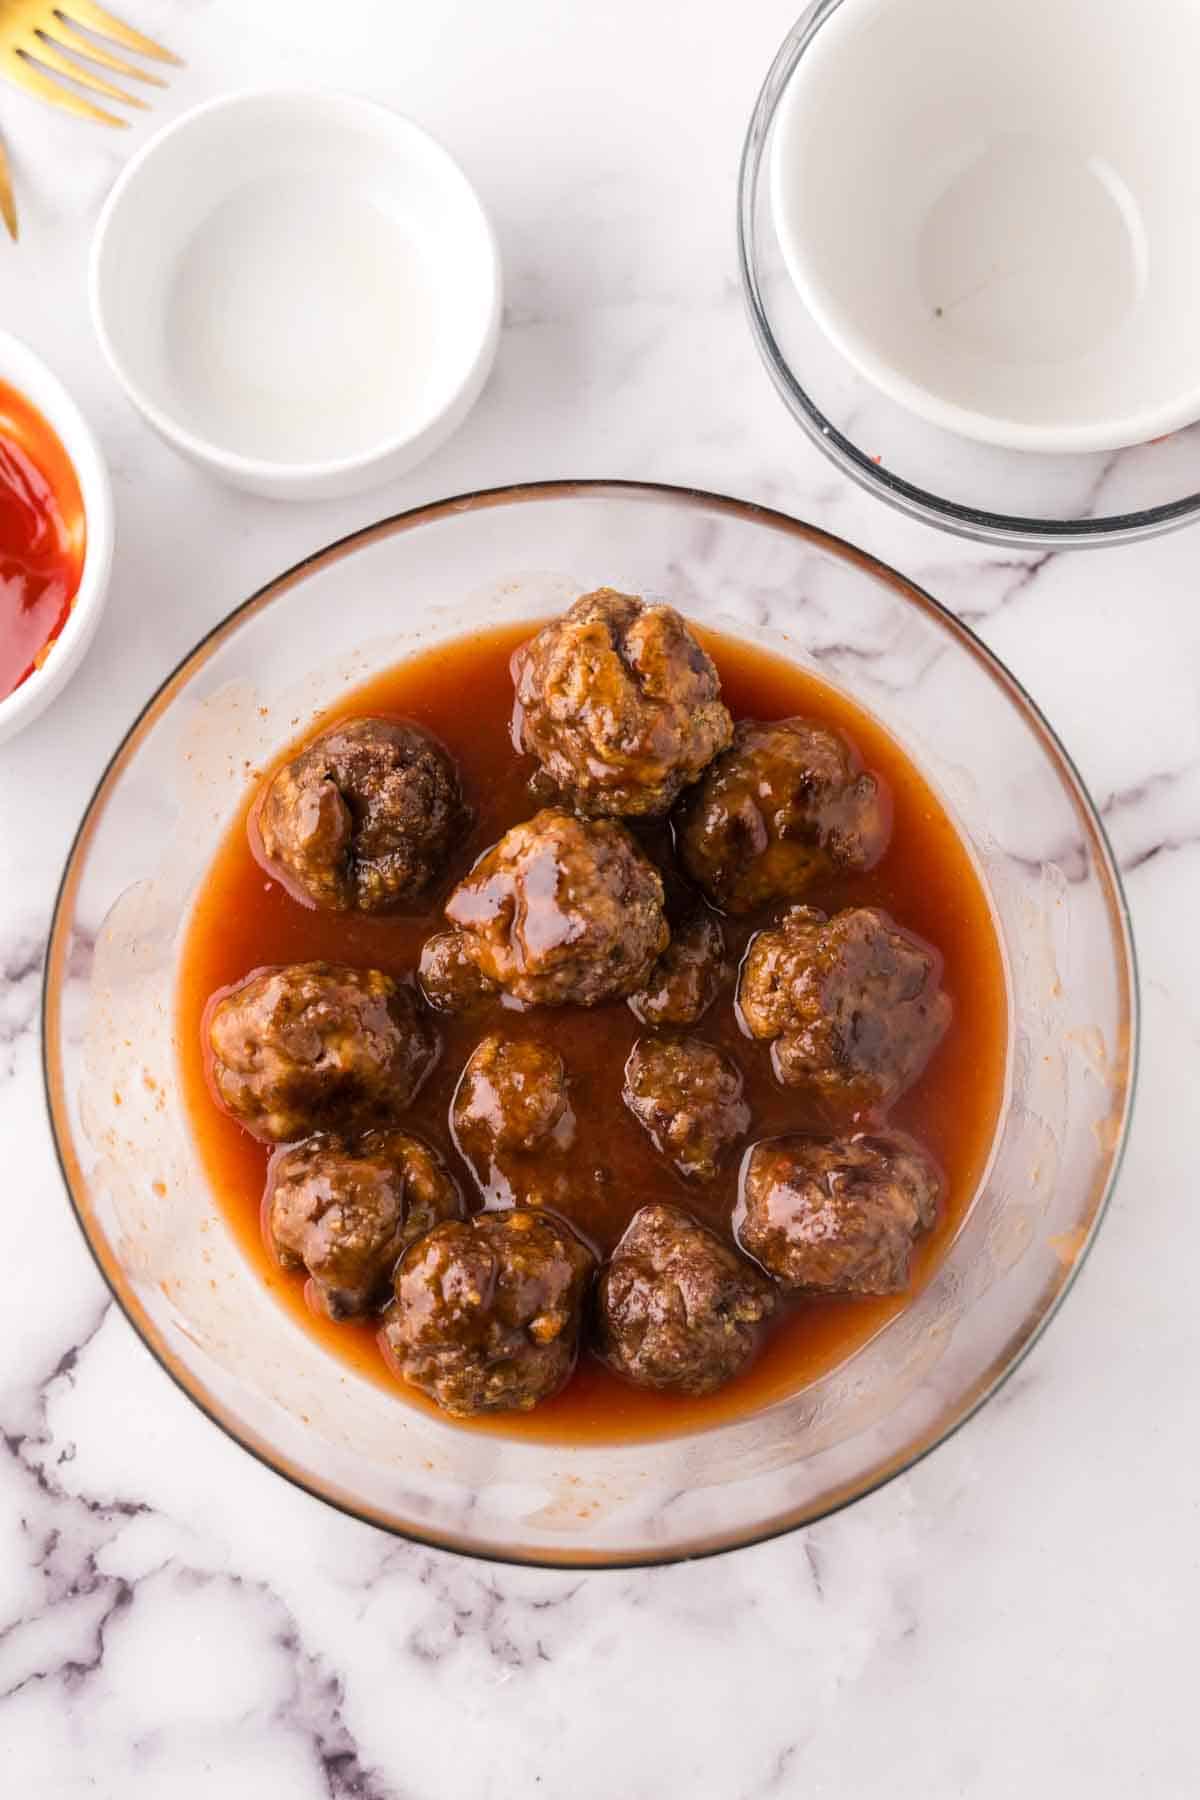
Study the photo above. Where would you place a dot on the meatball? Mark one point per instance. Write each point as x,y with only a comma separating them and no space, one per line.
513,1123
786,804
684,981
344,1209
450,981
316,1046
488,1311
562,911
512,1096
837,1215
853,1005
620,705
688,1096
364,818
676,1308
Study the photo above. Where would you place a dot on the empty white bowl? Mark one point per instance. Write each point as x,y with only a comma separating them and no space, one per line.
300,291
20,368
990,210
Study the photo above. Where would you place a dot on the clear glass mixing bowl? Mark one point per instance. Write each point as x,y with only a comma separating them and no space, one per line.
1011,497
249,687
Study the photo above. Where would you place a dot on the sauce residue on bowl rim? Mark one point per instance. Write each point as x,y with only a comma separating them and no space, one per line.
42,538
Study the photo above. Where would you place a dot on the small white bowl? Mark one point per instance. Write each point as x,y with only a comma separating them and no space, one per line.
300,291
990,209
21,369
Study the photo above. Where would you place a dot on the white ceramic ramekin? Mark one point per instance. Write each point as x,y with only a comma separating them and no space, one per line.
26,372
300,291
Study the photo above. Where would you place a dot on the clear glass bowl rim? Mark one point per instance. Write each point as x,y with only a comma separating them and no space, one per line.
115,1278
1012,530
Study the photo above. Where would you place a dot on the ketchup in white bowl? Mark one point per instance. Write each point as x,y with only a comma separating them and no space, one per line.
42,539
56,536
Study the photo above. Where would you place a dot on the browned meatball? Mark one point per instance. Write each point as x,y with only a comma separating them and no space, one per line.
562,911
365,817
512,1096
513,1123
619,704
344,1209
676,1308
853,1005
837,1215
450,981
684,981
316,1046
786,804
488,1312
688,1096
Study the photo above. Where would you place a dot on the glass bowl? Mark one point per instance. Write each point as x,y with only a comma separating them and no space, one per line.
999,496
362,605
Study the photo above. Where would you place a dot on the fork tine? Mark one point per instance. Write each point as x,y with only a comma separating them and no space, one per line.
52,56
86,12
70,39
8,204
20,67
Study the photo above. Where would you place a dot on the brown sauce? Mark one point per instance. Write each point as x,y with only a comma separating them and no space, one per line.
462,691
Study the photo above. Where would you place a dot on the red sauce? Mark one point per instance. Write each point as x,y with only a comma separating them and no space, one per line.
927,881
42,539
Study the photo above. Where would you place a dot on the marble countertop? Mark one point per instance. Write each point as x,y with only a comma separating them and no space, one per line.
1016,1614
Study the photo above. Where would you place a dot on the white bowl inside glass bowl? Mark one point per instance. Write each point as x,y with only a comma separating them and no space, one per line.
134,1170
989,209
21,369
300,291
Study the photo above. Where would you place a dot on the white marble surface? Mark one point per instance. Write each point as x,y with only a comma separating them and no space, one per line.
1017,1614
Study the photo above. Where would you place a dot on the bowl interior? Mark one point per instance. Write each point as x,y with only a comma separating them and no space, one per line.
294,279
986,208
924,468
111,1055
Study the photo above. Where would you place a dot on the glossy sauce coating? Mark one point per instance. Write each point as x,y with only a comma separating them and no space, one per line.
41,538
463,693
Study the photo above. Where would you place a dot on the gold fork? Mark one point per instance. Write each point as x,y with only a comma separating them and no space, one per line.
45,46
